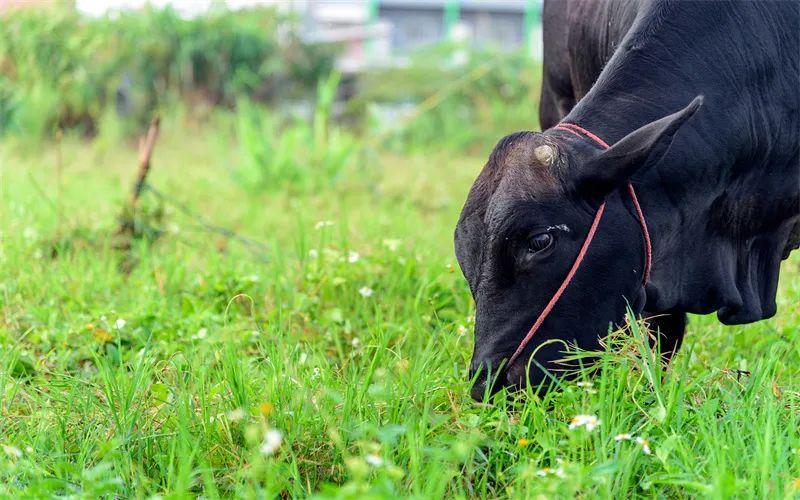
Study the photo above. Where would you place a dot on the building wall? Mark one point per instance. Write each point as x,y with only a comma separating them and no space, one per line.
413,27
497,29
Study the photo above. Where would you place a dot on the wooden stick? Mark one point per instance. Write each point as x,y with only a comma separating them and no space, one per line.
127,222
145,153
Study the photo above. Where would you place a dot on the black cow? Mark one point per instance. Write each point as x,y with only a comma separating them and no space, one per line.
718,178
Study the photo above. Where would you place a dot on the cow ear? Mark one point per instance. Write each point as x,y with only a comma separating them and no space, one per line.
644,146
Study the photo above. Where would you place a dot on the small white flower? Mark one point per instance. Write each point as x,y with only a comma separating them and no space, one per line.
323,223
547,471
12,451
623,437
588,421
355,342
462,330
272,441
353,257
374,460
316,373
584,384
645,445
313,253
119,324
201,334
235,415
392,244
366,291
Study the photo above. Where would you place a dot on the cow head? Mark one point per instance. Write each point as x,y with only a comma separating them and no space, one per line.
520,230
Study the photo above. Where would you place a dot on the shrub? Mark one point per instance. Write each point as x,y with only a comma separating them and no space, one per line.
301,154
61,70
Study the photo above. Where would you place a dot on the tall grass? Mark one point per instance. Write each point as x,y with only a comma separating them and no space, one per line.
369,391
298,153
454,106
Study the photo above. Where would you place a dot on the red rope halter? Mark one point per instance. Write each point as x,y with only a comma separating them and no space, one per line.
648,255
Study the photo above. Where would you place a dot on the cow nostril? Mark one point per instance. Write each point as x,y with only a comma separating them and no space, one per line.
478,391
515,375
486,381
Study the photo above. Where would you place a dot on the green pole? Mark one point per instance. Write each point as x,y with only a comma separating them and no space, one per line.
530,21
451,14
373,8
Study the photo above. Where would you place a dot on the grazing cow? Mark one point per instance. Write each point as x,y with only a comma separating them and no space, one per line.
689,210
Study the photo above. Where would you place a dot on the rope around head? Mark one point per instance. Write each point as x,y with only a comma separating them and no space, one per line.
648,255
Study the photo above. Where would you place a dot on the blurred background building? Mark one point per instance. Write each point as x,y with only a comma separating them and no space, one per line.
379,32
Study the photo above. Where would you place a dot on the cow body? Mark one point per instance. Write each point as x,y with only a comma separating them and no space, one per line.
719,185
735,174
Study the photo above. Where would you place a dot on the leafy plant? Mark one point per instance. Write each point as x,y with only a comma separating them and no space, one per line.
300,154
61,70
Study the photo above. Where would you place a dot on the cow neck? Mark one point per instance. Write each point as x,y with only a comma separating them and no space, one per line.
582,133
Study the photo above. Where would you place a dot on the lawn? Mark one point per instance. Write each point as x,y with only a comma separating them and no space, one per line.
331,359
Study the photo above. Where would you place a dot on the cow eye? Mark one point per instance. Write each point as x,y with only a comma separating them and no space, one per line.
539,242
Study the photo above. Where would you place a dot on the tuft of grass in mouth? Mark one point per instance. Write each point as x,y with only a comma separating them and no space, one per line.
337,368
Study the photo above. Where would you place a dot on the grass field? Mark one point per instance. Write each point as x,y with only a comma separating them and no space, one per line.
333,363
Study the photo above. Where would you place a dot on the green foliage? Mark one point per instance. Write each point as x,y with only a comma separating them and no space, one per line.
61,70
299,154
455,98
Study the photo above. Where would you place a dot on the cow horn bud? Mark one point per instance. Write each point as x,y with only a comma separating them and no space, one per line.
545,154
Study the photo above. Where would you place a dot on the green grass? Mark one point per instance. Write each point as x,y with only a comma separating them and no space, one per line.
370,394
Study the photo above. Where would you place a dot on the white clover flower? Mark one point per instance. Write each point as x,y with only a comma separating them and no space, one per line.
355,342
316,373
353,257
623,437
323,223
645,445
392,244
588,421
201,334
374,460
547,471
313,253
272,441
235,415
120,323
366,291
12,451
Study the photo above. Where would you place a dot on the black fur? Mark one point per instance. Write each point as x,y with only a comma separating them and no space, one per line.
721,192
